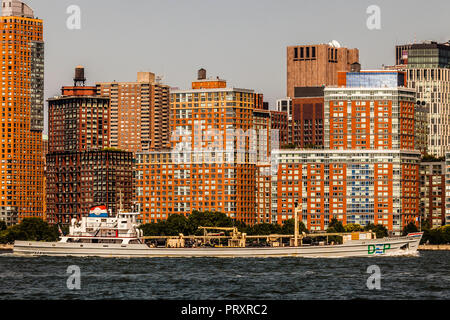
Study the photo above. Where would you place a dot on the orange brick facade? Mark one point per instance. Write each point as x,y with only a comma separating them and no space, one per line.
227,181
22,170
369,170
380,187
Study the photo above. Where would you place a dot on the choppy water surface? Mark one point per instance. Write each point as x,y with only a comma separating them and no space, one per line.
426,276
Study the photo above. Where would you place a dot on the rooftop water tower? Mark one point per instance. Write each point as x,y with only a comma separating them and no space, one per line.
201,74
79,78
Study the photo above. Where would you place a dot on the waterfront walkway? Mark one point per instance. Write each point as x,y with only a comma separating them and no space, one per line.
434,247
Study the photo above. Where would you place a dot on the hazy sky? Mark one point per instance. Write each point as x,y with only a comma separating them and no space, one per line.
242,41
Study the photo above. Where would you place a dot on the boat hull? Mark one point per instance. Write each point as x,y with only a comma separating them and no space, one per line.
362,248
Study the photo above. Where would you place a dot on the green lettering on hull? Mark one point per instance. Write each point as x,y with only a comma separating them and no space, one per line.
378,249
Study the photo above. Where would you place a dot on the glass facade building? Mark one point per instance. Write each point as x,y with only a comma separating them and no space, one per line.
429,55
375,79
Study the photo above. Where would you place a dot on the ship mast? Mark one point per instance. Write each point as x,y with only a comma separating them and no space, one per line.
296,235
120,203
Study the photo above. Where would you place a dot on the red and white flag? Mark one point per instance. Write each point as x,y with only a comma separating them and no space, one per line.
98,210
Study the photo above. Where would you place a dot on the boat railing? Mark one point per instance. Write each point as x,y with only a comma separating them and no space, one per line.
99,224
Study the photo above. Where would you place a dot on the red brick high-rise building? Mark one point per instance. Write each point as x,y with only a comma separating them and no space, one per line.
82,170
369,169
309,69
211,127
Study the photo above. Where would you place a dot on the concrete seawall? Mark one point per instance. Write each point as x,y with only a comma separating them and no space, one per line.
434,247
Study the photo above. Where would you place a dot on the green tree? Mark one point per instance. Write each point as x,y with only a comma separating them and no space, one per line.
38,230
264,229
410,228
242,227
32,229
426,224
437,235
151,229
176,224
352,227
207,219
289,227
431,158
445,231
380,230
335,226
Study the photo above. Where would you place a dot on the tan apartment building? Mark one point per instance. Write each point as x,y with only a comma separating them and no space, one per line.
139,113
427,67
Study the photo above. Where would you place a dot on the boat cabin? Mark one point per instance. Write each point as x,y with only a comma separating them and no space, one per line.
100,227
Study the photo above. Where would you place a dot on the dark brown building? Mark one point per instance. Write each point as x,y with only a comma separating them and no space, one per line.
78,120
303,118
279,120
306,130
77,181
258,101
307,118
82,169
432,193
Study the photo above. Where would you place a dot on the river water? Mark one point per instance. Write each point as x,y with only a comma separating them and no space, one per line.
425,276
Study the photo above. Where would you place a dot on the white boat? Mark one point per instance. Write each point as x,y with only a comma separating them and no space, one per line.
103,236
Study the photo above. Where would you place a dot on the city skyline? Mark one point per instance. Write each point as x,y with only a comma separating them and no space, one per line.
224,151
265,27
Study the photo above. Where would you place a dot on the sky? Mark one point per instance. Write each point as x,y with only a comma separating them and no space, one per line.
242,41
